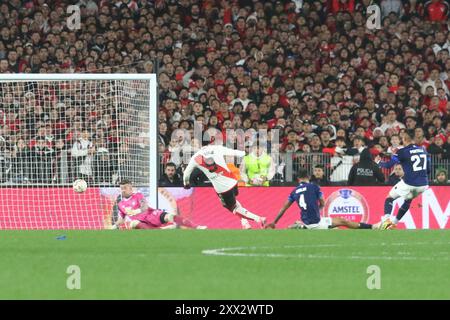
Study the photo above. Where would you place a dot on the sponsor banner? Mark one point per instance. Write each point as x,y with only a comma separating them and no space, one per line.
61,208
430,210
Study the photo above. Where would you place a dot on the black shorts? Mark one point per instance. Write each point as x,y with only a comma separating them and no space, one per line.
229,198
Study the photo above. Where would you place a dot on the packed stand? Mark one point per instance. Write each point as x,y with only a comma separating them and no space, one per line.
310,69
314,71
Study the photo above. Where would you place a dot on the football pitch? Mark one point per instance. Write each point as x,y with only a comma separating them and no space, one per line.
225,264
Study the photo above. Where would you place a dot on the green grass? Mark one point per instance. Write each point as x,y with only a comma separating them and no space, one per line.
169,264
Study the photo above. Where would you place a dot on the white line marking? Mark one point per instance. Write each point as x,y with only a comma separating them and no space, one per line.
402,255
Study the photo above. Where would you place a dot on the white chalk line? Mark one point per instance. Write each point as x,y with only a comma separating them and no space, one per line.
401,255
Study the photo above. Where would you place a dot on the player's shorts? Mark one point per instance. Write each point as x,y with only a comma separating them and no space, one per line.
407,192
228,198
154,218
324,223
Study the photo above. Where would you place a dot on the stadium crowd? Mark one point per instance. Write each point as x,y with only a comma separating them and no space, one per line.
312,70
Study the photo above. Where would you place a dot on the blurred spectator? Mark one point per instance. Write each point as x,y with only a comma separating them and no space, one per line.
41,162
413,8
436,10
441,176
102,165
257,168
390,121
164,154
170,177
163,136
83,151
391,6
5,161
318,177
60,156
366,172
342,162
394,144
446,148
242,98
420,139
342,5
396,175
436,148
358,146
21,162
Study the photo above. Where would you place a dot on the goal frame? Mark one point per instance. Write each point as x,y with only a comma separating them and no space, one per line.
153,105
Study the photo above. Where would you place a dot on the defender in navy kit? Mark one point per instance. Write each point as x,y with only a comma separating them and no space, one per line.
309,198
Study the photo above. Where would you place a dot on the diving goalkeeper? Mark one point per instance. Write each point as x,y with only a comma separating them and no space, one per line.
136,214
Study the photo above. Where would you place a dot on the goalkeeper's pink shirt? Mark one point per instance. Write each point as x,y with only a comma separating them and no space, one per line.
134,202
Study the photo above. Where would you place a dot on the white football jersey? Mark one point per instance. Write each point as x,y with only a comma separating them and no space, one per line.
211,161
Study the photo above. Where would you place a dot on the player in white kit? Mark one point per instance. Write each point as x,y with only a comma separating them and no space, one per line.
211,161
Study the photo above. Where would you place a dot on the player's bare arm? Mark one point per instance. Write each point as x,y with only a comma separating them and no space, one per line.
187,173
321,203
280,214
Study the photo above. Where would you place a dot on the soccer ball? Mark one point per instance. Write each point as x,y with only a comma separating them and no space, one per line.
79,185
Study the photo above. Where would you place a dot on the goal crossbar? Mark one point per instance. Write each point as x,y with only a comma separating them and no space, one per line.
76,76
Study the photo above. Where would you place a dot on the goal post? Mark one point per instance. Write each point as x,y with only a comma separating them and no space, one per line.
56,128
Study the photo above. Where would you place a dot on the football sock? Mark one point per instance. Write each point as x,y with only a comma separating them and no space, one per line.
245,224
245,213
403,209
363,225
388,203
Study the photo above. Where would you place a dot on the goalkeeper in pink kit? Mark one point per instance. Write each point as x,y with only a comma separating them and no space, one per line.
135,212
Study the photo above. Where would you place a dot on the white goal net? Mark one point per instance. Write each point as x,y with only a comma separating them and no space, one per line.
57,128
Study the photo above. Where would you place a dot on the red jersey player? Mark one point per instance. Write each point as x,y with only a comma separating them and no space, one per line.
211,161
134,210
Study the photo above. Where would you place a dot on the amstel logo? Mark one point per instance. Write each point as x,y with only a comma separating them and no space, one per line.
348,204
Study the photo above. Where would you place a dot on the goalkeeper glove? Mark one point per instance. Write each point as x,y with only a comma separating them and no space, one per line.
132,212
